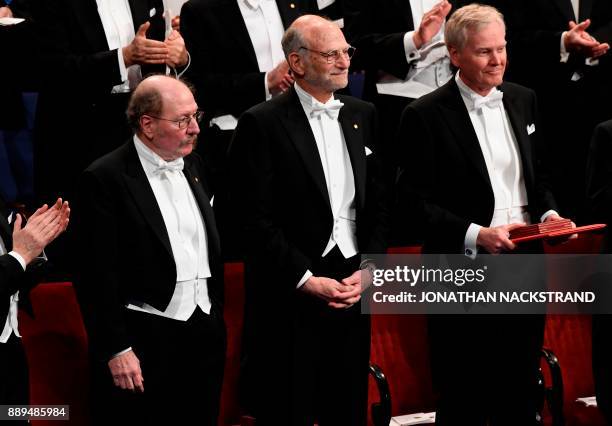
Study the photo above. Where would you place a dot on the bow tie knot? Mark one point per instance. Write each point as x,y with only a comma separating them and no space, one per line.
169,166
492,100
332,109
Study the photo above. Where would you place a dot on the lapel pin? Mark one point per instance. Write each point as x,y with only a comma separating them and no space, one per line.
292,5
196,179
355,126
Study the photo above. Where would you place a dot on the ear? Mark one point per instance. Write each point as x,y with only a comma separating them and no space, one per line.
454,55
296,64
147,126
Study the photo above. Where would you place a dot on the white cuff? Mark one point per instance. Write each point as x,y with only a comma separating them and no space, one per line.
470,249
564,53
122,352
548,213
122,68
411,51
305,277
268,95
19,258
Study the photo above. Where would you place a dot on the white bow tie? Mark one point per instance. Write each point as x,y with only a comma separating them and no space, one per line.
492,100
332,109
169,166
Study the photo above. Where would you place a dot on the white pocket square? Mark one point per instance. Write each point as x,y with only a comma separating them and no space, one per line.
368,151
152,12
530,129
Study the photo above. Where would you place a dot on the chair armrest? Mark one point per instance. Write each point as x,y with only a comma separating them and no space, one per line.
554,393
381,410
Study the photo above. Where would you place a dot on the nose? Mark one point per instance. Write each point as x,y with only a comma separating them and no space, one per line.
496,58
343,61
193,128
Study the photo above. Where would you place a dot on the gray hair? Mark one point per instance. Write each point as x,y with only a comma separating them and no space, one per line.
469,18
292,41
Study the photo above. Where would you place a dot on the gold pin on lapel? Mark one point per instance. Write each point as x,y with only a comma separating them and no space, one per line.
355,126
292,5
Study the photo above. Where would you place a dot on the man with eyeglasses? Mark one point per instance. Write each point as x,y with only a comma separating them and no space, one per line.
305,186
150,278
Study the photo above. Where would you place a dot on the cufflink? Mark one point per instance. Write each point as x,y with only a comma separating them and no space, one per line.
292,5
468,252
355,126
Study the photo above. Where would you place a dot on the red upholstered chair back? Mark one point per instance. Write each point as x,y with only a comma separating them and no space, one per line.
569,337
56,347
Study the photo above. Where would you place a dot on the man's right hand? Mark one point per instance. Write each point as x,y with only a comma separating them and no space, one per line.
279,79
497,239
431,23
336,294
143,50
125,370
577,39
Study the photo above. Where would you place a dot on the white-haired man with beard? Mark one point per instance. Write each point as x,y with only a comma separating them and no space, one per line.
306,189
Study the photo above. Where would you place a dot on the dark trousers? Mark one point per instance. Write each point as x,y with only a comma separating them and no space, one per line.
182,366
323,374
485,367
14,381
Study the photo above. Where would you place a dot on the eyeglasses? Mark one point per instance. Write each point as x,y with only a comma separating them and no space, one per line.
334,55
183,122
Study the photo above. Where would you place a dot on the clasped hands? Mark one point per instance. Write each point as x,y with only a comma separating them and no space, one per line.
141,50
338,294
577,39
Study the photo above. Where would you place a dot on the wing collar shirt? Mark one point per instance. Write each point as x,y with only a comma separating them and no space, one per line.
323,120
186,231
499,149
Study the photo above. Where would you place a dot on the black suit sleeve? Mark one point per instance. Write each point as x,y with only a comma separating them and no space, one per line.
417,180
378,35
252,157
11,274
63,65
97,284
599,174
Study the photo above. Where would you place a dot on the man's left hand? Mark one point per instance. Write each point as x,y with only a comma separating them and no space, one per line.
177,52
563,239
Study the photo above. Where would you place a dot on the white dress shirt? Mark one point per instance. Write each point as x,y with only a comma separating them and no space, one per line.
187,234
430,65
118,25
11,325
499,149
338,176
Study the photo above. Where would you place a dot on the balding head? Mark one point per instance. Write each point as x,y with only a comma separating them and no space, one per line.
150,96
307,44
161,112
